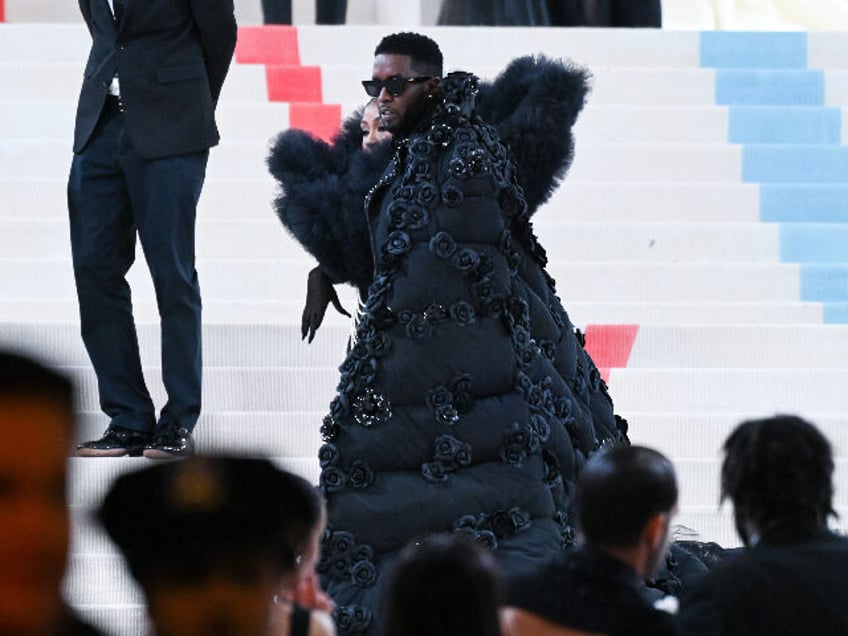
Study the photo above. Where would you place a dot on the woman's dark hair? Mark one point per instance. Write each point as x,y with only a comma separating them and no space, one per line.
778,470
425,53
444,584
620,490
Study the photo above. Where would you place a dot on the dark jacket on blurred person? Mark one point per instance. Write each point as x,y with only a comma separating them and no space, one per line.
792,582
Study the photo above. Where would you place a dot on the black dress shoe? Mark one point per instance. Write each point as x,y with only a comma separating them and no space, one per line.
170,442
116,442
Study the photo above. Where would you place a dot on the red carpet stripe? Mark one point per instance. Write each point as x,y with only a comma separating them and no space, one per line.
294,83
277,48
610,346
322,120
275,44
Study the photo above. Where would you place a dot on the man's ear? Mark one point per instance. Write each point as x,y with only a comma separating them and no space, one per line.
656,530
433,86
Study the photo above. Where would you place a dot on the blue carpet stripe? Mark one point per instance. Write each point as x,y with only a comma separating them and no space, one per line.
733,49
814,243
758,87
778,163
784,125
804,203
835,313
791,146
824,283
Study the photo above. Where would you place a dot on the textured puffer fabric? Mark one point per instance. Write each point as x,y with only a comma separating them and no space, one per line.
467,403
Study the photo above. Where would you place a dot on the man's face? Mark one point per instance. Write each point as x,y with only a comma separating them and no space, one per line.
401,113
34,524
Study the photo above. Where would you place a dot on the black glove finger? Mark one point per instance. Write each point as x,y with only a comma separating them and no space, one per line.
338,305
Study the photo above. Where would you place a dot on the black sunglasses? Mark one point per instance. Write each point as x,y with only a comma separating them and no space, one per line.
394,85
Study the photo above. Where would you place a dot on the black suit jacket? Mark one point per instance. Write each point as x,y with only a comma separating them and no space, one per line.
171,57
789,583
589,590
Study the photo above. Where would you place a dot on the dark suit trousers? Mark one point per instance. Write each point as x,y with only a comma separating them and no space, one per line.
326,11
115,194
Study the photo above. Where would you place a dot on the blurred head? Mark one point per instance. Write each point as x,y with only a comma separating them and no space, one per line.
777,471
203,539
444,584
371,125
304,510
626,498
404,79
37,420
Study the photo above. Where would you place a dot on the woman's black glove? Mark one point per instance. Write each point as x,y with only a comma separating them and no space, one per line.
319,293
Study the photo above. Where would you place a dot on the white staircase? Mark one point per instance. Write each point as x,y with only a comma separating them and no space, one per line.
658,225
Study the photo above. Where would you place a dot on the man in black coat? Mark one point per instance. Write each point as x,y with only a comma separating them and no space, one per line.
144,125
626,498
791,577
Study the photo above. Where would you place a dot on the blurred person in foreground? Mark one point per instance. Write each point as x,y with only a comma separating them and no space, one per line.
208,540
443,584
626,498
37,419
792,576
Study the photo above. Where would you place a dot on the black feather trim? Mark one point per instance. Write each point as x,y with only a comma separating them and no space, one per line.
533,104
322,196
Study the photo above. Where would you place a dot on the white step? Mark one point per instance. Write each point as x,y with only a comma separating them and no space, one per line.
23,237
242,199
255,345
601,202
740,346
655,346
497,46
283,279
594,162
700,435
54,120
289,311
759,392
215,239
596,201
236,389
693,313
26,77
28,119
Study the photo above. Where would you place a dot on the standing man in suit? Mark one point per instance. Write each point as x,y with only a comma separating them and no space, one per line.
144,126
791,576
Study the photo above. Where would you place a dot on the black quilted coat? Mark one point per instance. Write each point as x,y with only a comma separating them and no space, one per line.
467,403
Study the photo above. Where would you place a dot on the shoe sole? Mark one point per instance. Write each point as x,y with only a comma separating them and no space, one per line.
111,452
154,453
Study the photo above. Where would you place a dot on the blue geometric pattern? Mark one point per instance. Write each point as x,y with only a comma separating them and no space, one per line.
791,147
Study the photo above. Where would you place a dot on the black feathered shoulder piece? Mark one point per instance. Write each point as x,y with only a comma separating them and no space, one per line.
533,105
321,202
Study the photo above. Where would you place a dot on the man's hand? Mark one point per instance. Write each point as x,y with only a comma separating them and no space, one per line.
319,294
